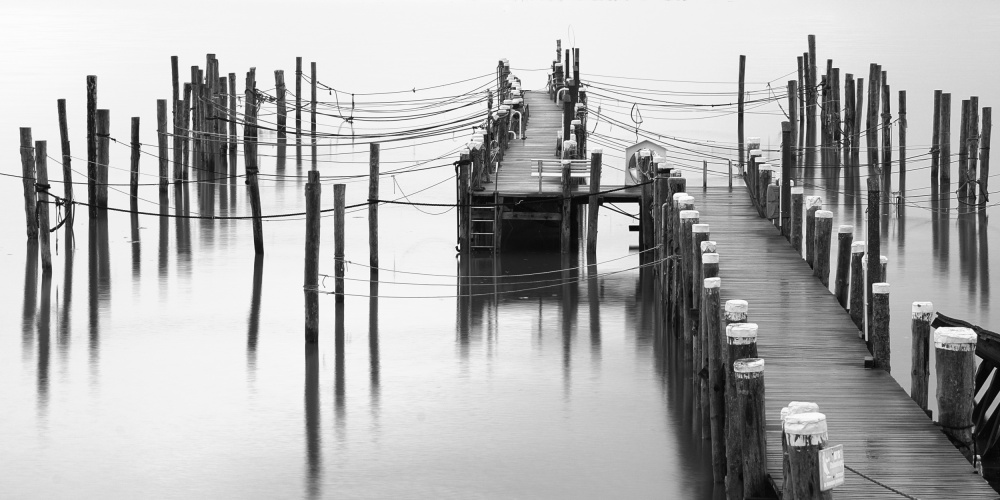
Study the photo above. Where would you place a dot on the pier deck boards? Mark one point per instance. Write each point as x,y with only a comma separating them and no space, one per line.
813,353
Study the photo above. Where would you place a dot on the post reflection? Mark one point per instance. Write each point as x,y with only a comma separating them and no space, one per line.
568,309
984,261
339,403
98,280
374,370
206,208
314,449
944,226
594,309
136,245
182,227
253,318
63,340
30,298
42,370
162,254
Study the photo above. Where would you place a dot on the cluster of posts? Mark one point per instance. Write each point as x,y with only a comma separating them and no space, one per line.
571,141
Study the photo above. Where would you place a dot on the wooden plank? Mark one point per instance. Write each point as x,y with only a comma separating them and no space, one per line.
532,216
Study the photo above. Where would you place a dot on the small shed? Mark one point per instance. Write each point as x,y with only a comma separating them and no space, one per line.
631,158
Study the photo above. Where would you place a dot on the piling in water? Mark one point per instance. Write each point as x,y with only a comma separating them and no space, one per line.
945,139
250,159
339,199
857,308
593,204
92,144
42,187
104,155
134,167
845,238
936,138
716,371
161,141
749,374
28,182
821,261
741,342
880,326
373,177
688,218
806,434
282,125
920,329
793,408
813,204
954,354
797,207
311,281
67,169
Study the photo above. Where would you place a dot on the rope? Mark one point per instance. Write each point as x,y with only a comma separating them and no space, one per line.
890,488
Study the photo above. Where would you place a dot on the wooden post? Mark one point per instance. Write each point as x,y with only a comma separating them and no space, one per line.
954,354
796,232
741,342
161,136
134,167
821,262
873,272
859,101
232,125
645,203
298,112
104,155
813,204
902,143
178,149
312,112
373,177
963,158
945,140
311,282
845,238
787,168
936,138
716,371
741,139
749,374
67,169
872,122
699,233
973,135
857,309
42,187
880,326
339,197
186,124
594,203
984,158
793,408
920,328
28,182
706,270
250,159
282,126
811,105
849,106
566,203
91,144
688,218
806,435
886,139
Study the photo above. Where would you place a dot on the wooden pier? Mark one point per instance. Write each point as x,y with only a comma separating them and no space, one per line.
813,353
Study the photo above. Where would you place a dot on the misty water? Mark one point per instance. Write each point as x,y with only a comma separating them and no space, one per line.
160,358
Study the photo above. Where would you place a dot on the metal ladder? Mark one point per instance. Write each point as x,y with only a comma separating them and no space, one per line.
483,227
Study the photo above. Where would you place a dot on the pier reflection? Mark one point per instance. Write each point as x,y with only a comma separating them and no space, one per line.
253,318
374,368
339,384
65,330
44,332
314,442
30,299
98,281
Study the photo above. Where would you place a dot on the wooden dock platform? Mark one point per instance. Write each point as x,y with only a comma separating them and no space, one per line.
813,353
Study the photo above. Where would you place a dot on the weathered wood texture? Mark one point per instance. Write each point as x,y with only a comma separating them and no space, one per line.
885,434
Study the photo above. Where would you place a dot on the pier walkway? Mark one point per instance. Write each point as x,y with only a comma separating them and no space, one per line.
813,353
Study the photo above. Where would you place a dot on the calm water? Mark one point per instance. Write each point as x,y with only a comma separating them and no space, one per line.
161,359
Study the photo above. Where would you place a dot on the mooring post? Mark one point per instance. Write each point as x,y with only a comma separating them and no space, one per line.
793,408
661,190
67,170
645,215
813,205
886,139
250,158
232,127
566,203
797,193
716,370
963,159
845,239
984,158
871,122
936,138
873,272
945,140
28,182
973,154
339,212
91,145
811,105
282,125
954,354
104,155
902,143
787,164
806,435
858,286
849,106
688,218
741,342
699,233
298,112
824,230
161,140
708,269
42,187
373,178
740,139
311,283
920,329
178,149
186,125
749,374
880,326
593,204
683,201
133,182
312,113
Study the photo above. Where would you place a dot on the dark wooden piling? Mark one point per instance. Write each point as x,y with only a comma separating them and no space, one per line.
134,167
848,143
177,147
741,342
311,281
806,434
103,156
740,137
67,170
973,135
963,158
879,335
373,177
902,143
787,165
859,103
339,200
186,154
161,140
845,237
920,330
871,124
797,194
566,223
936,137
824,235
707,270
250,159
716,370
28,182
873,272
813,205
699,233
232,126
954,355
945,140
793,408
298,112
312,113
282,125
688,218
886,140
749,373
811,104
92,144
858,285
42,187
984,158
594,204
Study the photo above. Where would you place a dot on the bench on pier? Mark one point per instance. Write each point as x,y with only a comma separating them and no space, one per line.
552,168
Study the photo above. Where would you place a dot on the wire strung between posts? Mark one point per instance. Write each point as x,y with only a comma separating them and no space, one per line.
890,488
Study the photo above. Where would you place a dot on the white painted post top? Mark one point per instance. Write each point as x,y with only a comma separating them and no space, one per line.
508,102
679,196
806,424
880,288
597,151
687,198
741,333
698,228
737,306
846,229
576,122
858,247
955,339
824,214
689,214
710,258
713,282
814,201
570,144
644,153
708,246
922,308
883,259
754,152
796,407
748,365
798,190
